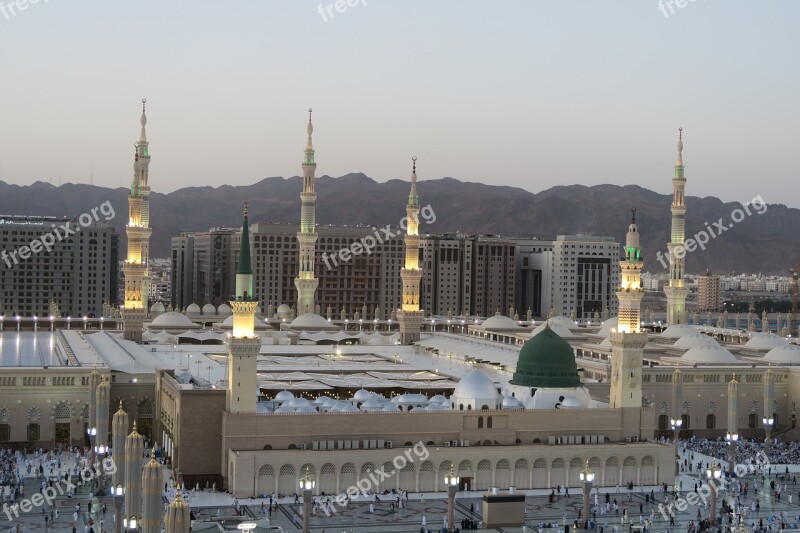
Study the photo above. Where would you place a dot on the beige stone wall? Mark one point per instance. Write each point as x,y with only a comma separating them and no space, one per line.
55,397
423,469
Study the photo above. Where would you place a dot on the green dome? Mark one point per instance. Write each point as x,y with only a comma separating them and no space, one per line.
546,360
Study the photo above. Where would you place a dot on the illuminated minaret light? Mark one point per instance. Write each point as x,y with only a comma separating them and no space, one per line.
676,291
306,282
243,343
628,341
135,268
409,316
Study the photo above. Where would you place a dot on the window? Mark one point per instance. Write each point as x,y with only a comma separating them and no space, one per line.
33,432
5,432
489,422
480,422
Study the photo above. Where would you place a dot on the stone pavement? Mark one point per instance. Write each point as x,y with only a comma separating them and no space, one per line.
207,506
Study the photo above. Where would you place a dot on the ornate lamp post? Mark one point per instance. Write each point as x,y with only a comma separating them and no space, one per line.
768,425
131,523
713,474
451,480
676,424
587,477
118,492
307,485
100,451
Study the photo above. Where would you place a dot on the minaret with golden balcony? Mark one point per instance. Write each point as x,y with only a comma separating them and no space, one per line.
409,316
243,343
628,341
135,269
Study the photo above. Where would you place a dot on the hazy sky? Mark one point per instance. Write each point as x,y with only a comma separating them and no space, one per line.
524,93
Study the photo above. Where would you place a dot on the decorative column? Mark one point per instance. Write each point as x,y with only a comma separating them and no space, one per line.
733,435
134,446
94,381
152,485
178,516
119,431
769,399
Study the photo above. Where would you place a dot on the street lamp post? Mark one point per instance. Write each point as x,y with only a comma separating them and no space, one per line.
307,485
732,439
713,475
768,424
118,492
676,429
451,480
100,452
587,477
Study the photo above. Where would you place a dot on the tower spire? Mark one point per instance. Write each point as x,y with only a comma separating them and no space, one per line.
306,281
135,268
410,316
676,292
244,271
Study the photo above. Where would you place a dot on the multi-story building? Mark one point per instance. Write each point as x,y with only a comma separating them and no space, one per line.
534,276
585,275
40,265
468,274
371,279
708,290
182,257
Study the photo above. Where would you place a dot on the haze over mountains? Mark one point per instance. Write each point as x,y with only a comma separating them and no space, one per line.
767,243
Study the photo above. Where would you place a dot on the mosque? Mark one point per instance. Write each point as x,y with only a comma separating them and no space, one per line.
248,401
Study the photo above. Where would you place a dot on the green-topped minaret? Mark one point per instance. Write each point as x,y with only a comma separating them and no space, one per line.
244,271
243,343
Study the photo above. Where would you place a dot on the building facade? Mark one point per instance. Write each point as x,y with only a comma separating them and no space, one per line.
708,292
79,272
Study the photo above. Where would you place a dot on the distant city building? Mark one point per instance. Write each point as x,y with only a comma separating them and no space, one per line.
585,275
79,272
182,259
708,292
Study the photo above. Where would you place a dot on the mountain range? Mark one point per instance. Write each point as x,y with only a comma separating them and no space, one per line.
767,240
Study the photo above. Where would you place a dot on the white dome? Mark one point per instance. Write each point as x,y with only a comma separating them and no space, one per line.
562,321
371,405
209,309
608,325
321,400
362,395
709,354
786,353
510,402
570,401
557,327
284,396
439,399
284,311
157,307
346,408
676,331
476,389
193,309
296,403
499,322
224,310
310,321
412,399
765,341
307,409
390,408
284,409
171,320
695,339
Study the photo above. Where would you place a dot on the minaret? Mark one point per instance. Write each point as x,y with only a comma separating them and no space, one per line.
243,343
178,518
135,268
676,292
627,342
94,380
410,316
119,430
306,282
134,445
152,485
769,393
733,426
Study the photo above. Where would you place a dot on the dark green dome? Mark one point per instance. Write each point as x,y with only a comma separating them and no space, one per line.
546,360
